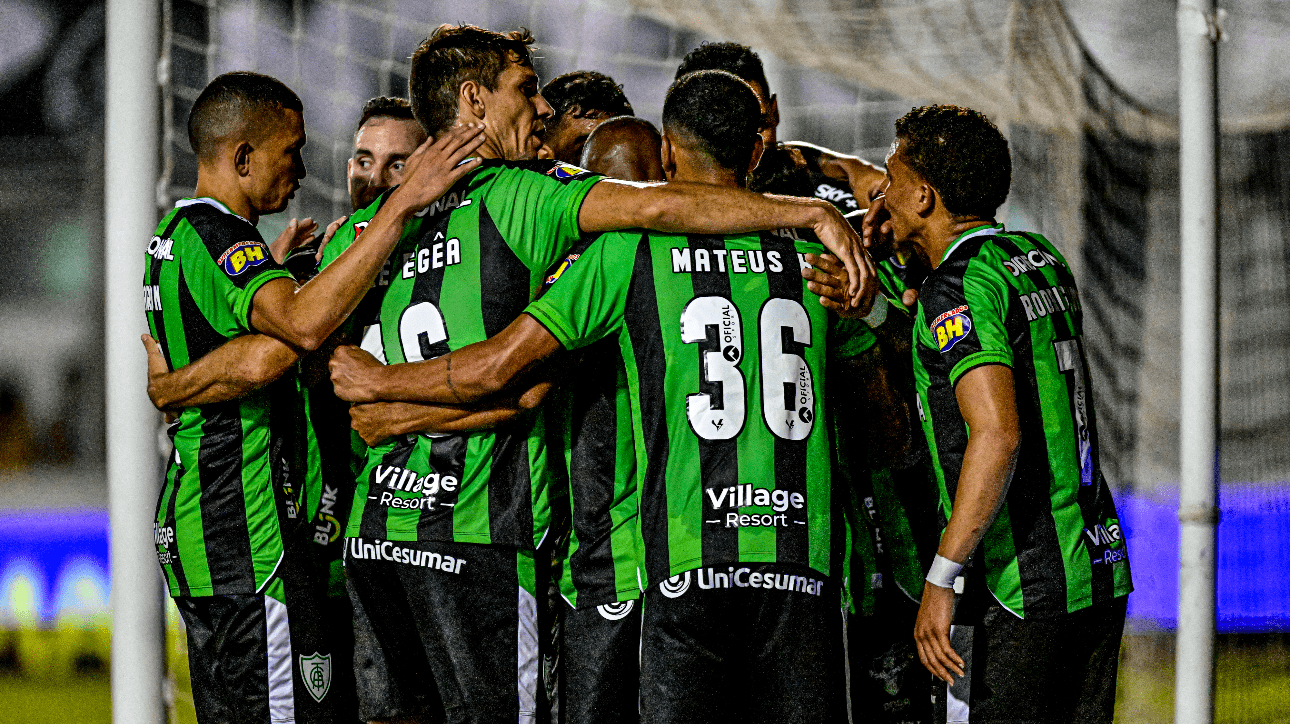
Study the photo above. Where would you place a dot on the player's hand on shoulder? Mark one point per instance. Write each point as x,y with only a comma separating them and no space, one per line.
436,165
350,373
837,235
332,228
298,233
828,278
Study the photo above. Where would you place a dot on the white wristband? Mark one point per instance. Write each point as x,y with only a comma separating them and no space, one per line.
943,572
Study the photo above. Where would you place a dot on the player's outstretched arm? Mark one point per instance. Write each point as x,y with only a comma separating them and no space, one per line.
865,179
706,209
987,400
304,317
462,377
232,370
376,422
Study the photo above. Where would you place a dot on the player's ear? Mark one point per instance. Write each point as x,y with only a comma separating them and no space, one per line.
667,154
470,99
773,111
242,158
925,199
759,147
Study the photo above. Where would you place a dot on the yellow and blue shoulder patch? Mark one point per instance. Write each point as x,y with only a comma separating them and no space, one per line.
562,268
565,171
242,256
951,327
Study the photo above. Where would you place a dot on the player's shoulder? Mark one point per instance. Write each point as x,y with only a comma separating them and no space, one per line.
535,170
225,236
213,224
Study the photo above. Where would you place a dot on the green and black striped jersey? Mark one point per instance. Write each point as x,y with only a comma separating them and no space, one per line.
233,487
601,562
1009,299
724,352
463,270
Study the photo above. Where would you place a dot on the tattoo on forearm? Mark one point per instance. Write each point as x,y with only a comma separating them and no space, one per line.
452,389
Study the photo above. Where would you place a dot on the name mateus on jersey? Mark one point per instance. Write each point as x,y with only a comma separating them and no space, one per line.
686,260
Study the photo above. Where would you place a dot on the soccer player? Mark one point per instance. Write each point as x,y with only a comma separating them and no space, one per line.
626,148
386,136
231,535
1005,401
444,529
723,354
833,175
579,102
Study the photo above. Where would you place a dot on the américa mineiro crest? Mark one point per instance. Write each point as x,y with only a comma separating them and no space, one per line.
316,672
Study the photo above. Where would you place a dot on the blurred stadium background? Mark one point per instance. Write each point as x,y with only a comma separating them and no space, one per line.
1085,89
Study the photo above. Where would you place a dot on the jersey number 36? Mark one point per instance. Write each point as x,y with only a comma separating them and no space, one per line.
718,410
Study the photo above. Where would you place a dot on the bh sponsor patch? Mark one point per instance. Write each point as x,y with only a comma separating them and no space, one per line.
242,256
951,327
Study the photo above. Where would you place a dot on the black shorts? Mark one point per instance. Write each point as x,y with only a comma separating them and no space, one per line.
1036,670
456,622
718,645
380,695
262,657
600,673
886,682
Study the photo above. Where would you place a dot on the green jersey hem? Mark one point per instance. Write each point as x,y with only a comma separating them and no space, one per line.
554,324
977,359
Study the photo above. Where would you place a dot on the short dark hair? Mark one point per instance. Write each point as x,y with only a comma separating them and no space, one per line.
718,111
730,57
961,154
385,107
778,172
452,55
230,104
582,92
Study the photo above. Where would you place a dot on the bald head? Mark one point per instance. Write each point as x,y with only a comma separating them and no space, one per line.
625,148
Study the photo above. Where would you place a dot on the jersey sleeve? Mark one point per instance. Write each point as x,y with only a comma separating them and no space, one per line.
240,263
586,303
965,318
535,207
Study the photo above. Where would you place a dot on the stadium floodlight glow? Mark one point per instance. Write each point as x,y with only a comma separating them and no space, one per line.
1198,35
130,154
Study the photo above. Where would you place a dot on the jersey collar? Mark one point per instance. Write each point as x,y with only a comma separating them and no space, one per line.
979,231
206,200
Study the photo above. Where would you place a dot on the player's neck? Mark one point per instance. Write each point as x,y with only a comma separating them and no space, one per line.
944,231
213,185
690,169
